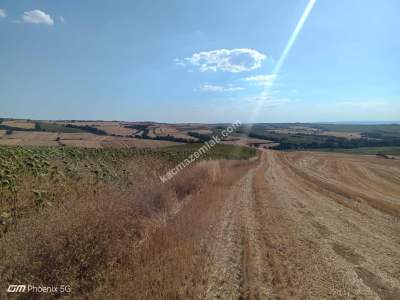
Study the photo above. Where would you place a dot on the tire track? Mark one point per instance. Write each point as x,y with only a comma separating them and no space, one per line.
289,230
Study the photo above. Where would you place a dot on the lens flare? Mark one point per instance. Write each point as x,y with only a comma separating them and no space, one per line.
282,60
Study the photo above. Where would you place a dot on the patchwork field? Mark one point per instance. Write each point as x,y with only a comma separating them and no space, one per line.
83,139
84,200
98,134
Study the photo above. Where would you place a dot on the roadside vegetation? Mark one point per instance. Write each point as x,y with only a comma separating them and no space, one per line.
78,216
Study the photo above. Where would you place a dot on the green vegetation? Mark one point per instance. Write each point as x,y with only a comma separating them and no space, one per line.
200,136
79,214
367,150
42,173
170,138
372,136
383,128
53,127
138,127
86,128
48,166
219,151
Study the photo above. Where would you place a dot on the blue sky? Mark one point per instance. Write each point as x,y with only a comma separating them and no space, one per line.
199,61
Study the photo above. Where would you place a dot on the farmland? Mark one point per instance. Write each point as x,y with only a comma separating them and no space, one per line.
393,151
26,170
101,221
205,150
317,136
282,136
97,217
54,188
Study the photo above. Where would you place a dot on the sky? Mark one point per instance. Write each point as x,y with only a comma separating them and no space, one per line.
200,61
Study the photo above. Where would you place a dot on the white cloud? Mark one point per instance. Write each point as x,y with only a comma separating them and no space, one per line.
264,80
219,88
3,13
225,60
37,17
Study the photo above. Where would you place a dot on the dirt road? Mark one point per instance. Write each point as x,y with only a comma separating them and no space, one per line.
309,225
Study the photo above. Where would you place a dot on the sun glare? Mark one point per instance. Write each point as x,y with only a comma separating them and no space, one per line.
264,95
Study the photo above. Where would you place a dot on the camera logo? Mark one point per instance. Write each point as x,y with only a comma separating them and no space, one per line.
14,288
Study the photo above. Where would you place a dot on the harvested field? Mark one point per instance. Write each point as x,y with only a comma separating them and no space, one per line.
10,141
118,130
24,124
133,142
172,131
32,143
31,135
304,225
202,131
295,225
81,136
86,140
111,128
314,131
286,225
347,135
29,138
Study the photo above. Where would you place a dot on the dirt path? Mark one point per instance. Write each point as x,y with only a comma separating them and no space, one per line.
309,225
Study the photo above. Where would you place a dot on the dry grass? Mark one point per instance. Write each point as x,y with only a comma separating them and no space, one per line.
91,232
24,124
71,244
112,127
219,228
171,263
131,237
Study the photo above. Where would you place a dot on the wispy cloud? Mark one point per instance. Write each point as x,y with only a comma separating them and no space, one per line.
3,13
37,17
219,88
179,62
62,19
225,60
264,80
